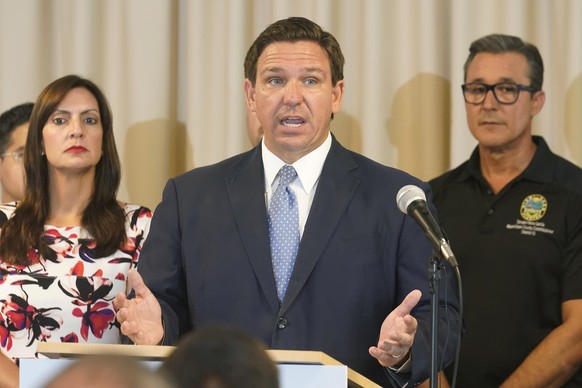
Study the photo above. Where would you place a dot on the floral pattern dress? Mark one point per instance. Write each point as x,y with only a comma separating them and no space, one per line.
68,296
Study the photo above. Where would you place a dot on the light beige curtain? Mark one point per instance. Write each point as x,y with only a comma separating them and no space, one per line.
173,72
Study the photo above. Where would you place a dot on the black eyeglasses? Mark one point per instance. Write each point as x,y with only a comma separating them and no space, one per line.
505,93
16,155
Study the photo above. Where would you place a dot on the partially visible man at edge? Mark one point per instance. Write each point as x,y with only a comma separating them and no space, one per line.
513,213
13,131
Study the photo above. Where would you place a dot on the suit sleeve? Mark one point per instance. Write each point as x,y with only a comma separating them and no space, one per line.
161,265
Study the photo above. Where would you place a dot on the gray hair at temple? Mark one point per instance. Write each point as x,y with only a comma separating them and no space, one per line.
499,43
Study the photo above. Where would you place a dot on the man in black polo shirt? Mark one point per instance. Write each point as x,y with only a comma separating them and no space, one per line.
513,213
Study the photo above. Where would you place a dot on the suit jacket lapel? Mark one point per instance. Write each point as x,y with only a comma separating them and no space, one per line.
336,187
246,191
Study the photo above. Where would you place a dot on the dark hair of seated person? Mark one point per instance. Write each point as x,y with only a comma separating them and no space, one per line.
109,371
221,357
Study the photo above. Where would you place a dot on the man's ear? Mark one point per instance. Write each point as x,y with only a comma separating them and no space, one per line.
538,101
337,96
249,90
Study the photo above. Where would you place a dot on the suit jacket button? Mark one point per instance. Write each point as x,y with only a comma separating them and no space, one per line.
282,323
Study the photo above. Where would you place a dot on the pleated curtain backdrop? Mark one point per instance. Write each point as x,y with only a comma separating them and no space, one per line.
173,72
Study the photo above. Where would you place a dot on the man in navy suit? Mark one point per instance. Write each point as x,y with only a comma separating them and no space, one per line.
358,289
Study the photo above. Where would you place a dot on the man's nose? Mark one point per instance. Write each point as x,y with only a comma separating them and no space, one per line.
293,93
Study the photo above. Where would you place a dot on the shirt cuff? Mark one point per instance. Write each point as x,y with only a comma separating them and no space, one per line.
400,377
404,368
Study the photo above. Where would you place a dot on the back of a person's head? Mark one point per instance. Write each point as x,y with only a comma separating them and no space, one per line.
221,357
12,118
109,372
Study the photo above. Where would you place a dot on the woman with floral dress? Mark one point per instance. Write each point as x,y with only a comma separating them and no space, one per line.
66,248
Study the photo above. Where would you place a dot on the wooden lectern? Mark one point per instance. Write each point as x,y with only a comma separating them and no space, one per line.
296,367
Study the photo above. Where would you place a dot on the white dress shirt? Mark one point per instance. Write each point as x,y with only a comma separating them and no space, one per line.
308,171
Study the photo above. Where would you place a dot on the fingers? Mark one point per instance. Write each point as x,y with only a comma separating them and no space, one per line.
397,332
396,345
380,356
128,327
408,303
132,331
135,282
122,314
391,352
388,354
395,350
119,301
411,324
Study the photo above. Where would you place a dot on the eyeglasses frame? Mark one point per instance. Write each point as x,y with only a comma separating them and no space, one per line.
491,88
16,155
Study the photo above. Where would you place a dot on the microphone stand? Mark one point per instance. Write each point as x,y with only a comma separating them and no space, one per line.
434,279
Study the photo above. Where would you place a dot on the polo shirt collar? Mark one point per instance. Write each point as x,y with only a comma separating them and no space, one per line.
540,168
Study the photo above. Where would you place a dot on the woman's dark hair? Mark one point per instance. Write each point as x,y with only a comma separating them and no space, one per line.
103,218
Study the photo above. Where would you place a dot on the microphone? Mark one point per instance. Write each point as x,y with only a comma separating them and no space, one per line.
411,200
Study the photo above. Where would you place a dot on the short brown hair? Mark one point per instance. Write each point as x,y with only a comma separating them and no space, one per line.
295,29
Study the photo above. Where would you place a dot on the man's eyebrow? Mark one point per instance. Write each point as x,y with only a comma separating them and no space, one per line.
502,79
277,69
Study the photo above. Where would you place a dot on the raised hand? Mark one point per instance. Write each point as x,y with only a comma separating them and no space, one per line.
397,333
141,316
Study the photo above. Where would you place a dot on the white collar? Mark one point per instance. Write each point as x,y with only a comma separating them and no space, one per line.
308,167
